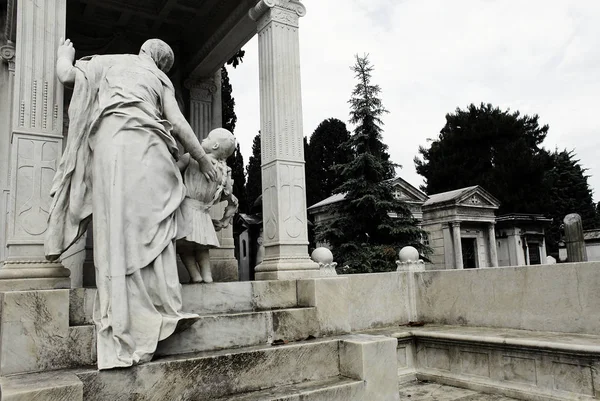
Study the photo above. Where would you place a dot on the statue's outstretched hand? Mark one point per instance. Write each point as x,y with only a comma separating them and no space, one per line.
66,50
207,167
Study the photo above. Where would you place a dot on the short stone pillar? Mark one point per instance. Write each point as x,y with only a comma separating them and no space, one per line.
574,241
550,260
410,262
283,181
324,258
36,146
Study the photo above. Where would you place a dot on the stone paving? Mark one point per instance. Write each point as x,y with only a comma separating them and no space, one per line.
427,391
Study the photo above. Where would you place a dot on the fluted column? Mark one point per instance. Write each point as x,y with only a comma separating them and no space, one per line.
283,181
7,78
201,99
458,257
36,146
492,245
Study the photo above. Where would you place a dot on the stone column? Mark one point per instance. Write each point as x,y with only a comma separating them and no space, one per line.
458,257
283,181
36,145
201,97
205,115
7,77
493,252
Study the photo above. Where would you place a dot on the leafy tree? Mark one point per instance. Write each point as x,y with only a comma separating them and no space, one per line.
569,193
254,174
362,233
502,151
324,152
499,150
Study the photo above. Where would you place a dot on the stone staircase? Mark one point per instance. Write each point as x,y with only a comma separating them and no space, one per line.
254,341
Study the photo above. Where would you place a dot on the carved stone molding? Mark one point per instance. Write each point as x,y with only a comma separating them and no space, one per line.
283,11
201,90
7,52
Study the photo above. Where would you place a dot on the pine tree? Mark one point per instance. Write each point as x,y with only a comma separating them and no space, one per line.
236,163
229,118
254,174
362,233
323,153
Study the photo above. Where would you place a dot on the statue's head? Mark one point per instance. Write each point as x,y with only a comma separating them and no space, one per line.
219,142
160,52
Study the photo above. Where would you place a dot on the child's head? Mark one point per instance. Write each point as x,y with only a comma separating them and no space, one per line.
220,143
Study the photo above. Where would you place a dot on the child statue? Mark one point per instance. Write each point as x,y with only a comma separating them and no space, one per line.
202,193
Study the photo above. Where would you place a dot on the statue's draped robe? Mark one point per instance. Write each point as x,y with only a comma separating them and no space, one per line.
119,163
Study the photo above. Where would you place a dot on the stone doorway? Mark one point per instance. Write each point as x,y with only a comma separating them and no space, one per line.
469,248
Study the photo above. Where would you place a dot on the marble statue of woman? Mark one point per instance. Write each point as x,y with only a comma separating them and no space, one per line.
119,165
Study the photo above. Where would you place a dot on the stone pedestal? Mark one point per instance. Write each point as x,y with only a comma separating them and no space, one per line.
36,146
283,181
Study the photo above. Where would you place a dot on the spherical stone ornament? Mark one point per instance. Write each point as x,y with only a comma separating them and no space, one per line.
550,260
408,254
322,255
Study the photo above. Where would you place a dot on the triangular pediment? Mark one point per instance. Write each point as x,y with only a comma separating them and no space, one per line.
478,197
404,191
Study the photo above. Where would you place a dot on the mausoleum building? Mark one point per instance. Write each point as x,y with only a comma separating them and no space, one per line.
460,226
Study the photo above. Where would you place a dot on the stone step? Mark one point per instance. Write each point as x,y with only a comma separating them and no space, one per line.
210,375
354,367
218,332
333,389
51,386
206,299
235,330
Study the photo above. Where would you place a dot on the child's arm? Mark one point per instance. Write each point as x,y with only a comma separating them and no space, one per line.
183,162
232,204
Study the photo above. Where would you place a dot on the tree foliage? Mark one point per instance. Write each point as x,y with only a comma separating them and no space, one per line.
569,192
496,149
236,163
229,119
322,154
253,172
362,233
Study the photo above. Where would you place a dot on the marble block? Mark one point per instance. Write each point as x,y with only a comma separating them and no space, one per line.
35,328
330,297
372,359
49,386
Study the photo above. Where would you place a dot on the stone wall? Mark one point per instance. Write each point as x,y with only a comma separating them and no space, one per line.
559,298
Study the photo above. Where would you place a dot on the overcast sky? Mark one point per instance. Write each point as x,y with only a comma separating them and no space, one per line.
432,56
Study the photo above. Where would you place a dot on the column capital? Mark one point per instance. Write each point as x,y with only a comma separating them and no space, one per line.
455,223
7,53
286,12
201,89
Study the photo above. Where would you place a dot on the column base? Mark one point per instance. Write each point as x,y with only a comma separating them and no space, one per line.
16,275
287,269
